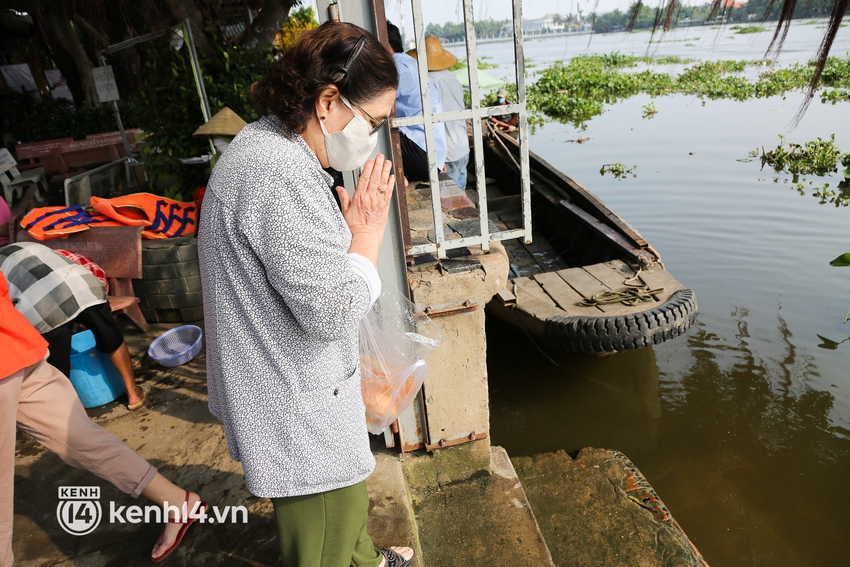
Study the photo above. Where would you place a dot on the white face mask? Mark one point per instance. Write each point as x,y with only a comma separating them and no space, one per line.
350,147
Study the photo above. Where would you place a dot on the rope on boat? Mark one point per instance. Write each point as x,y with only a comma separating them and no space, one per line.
507,151
634,292
630,295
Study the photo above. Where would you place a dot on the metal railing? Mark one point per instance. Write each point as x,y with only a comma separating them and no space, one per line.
476,113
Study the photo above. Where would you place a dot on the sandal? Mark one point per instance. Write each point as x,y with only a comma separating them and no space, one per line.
138,405
394,559
188,521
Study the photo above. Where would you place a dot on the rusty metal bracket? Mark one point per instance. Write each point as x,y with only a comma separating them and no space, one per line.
413,425
441,311
442,443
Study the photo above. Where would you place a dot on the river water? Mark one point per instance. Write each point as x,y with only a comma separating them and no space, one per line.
742,425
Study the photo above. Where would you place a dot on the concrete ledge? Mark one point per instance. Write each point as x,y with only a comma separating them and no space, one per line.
390,513
482,521
598,509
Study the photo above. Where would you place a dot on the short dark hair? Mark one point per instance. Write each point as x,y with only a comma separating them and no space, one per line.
294,82
394,37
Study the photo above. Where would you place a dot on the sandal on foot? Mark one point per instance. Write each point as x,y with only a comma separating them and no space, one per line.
395,559
188,521
138,405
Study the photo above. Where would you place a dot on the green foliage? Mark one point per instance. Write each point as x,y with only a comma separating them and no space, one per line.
840,197
836,72
649,110
819,158
575,92
169,110
684,15
749,29
842,261
298,22
672,60
646,19
27,119
835,96
618,170
461,64
769,10
457,32
228,76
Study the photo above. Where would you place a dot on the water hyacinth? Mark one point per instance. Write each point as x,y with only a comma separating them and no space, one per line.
577,91
818,157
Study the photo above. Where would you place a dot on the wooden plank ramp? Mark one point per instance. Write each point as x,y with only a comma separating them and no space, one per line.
529,301
526,259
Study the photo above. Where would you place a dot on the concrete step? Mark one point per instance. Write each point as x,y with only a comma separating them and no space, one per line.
482,521
391,520
598,509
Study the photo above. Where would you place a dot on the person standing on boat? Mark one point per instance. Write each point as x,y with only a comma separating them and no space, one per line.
451,94
505,122
408,102
287,275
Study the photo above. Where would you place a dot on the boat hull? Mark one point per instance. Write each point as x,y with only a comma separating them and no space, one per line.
582,251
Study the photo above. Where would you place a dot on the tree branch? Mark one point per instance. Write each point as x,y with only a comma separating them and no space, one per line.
99,38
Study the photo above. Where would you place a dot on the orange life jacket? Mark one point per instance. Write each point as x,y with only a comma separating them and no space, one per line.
44,223
161,217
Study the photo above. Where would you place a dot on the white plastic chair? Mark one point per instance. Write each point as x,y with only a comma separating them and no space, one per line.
14,182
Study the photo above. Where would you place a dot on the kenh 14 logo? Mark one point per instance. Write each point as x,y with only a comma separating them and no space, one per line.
79,511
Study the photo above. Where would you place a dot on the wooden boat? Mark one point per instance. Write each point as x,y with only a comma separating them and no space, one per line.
581,250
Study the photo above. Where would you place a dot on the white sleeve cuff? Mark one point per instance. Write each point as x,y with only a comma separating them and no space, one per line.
366,270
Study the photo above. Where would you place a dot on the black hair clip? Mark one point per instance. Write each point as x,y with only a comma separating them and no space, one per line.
355,52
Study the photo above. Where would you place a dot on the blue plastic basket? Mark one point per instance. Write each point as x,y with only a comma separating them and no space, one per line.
93,375
177,346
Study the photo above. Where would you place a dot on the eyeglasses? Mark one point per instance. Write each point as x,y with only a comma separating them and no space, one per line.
376,124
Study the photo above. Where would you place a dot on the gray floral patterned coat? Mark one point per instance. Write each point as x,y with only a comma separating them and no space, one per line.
282,300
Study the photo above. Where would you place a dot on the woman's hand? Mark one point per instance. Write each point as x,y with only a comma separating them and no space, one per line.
366,213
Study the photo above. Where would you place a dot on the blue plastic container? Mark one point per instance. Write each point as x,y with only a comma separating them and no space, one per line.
93,375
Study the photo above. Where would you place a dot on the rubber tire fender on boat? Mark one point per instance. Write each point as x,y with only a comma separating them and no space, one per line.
617,333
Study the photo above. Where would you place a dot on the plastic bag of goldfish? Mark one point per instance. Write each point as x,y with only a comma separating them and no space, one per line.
395,338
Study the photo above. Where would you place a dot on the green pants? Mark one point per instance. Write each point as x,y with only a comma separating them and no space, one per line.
326,529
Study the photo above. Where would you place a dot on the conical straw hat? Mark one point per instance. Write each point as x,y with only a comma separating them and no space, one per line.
225,123
438,57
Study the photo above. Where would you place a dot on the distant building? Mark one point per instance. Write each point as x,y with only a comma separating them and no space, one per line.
546,24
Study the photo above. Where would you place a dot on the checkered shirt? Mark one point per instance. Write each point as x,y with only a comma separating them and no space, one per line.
47,288
88,264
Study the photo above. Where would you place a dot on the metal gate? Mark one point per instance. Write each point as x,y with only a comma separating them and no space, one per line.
398,248
476,113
